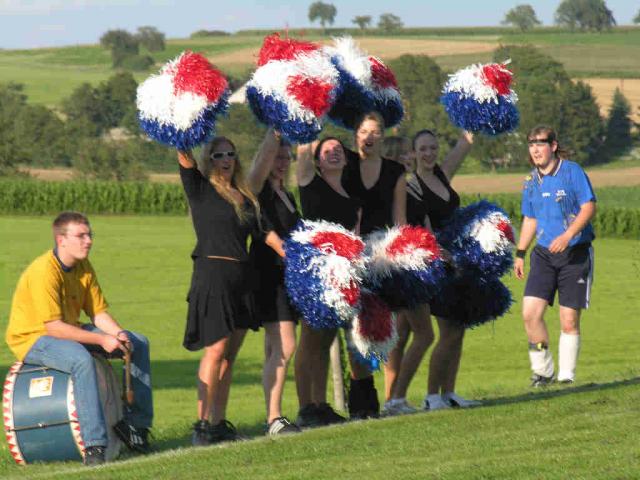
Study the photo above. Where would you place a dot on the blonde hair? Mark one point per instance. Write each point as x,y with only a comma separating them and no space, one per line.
237,180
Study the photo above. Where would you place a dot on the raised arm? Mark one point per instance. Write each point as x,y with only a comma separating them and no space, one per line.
305,169
454,158
263,161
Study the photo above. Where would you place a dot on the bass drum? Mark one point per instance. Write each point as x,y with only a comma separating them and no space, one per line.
40,418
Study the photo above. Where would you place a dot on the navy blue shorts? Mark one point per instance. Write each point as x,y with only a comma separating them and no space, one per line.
569,272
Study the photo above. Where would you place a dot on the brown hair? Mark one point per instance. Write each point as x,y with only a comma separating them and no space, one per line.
63,220
395,146
316,152
419,133
552,136
237,180
363,117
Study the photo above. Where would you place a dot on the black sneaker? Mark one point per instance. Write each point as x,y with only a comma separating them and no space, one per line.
328,415
201,436
94,456
309,417
224,431
282,426
136,439
540,381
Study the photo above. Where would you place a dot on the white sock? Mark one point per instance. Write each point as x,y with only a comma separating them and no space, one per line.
568,350
541,362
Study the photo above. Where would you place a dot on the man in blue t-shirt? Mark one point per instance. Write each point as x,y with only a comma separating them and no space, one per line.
558,204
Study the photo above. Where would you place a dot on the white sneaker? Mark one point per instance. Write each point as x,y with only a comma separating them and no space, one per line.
434,402
455,400
395,407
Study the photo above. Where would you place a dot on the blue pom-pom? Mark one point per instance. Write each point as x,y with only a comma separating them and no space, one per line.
488,117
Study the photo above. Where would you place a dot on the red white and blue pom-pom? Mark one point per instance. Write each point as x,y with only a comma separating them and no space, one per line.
469,302
480,239
404,266
479,98
179,105
322,273
373,331
293,88
366,84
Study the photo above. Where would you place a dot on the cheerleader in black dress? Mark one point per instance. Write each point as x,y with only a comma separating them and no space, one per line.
379,184
322,198
267,181
430,203
224,213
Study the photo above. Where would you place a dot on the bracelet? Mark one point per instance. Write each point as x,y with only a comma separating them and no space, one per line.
520,253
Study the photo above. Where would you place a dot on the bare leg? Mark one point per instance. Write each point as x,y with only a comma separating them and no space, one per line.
209,377
451,338
311,367
320,366
280,343
226,372
392,367
420,323
533,309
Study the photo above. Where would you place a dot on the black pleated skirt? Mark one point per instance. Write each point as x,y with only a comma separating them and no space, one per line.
220,301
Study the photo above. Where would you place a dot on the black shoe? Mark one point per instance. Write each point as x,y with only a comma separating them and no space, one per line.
328,415
282,426
363,399
136,439
540,381
309,417
94,456
201,436
224,431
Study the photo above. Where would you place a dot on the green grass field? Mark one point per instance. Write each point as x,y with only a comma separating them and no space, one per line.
585,431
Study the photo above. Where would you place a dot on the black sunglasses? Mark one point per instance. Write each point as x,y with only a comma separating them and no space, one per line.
219,155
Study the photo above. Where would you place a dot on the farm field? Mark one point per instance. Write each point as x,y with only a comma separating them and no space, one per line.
582,431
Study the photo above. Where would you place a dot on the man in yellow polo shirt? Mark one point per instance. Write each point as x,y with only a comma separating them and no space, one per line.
45,329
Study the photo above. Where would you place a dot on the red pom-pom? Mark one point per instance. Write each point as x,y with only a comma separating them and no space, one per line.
312,94
499,77
274,48
195,74
351,293
375,319
381,74
507,231
339,243
411,238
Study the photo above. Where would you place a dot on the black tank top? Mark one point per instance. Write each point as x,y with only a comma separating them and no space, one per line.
377,201
280,218
321,202
420,204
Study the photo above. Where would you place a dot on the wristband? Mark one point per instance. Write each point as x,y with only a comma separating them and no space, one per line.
520,253
121,331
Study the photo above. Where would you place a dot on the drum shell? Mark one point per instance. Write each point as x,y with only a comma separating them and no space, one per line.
41,422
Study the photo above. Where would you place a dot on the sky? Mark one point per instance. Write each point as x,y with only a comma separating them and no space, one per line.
45,23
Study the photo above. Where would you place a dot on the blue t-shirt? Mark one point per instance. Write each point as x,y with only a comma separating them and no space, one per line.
554,200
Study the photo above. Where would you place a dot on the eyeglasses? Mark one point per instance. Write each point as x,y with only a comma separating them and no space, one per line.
539,141
219,155
81,236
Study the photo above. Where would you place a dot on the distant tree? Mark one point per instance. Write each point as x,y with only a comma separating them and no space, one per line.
363,21
390,22
107,160
151,38
117,98
522,16
121,43
636,19
585,15
84,111
41,133
12,101
324,12
618,127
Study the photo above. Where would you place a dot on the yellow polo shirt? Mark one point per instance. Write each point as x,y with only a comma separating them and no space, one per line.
46,292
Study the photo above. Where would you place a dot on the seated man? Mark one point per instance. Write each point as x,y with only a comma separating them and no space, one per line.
44,329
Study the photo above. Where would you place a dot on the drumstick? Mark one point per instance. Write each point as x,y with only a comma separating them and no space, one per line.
128,391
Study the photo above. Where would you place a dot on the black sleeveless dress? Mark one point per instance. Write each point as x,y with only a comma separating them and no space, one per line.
377,201
321,202
272,303
422,201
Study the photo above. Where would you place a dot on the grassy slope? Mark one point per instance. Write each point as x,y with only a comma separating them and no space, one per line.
144,268
51,74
